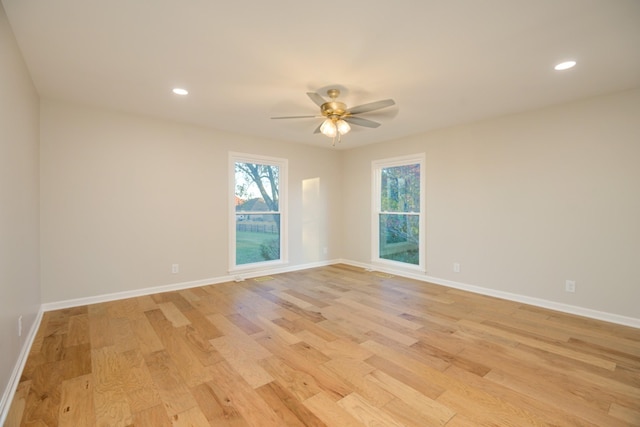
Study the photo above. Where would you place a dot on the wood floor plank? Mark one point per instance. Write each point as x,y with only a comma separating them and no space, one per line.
78,330
244,324
624,414
100,332
76,361
289,409
243,397
242,362
190,368
300,294
453,388
216,407
309,327
124,337
199,346
341,313
554,401
330,412
327,346
173,315
356,374
146,336
110,401
76,402
16,411
192,417
155,416
248,344
558,372
277,332
543,345
137,382
294,300
410,416
336,348
298,383
43,399
436,412
172,388
367,414
378,315
53,348
127,308
404,375
325,379
202,325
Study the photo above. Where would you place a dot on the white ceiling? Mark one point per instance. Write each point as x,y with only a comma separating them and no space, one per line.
444,62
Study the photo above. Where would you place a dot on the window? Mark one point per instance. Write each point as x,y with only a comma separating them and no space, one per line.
258,229
398,212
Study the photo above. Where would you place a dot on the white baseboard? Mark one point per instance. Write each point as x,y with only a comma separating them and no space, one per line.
14,380
178,286
538,302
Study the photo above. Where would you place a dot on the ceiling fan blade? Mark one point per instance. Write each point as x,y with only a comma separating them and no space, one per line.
361,122
371,106
318,128
296,117
319,100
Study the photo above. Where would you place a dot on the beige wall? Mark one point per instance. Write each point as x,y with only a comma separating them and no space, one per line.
523,202
19,251
125,197
526,202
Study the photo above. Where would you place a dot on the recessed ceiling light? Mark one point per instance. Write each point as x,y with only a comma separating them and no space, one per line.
565,65
179,91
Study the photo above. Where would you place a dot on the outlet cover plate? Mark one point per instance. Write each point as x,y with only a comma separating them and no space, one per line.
570,286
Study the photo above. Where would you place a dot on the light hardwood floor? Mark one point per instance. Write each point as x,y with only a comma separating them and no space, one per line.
331,346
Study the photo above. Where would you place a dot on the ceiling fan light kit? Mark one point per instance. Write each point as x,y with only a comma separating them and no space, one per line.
333,127
329,128
343,127
337,117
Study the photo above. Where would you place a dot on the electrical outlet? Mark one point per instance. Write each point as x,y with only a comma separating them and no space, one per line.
20,326
456,267
570,286
175,268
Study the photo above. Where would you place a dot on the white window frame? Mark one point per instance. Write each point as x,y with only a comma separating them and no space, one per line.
234,158
376,210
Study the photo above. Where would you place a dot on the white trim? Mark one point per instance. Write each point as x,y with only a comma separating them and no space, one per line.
376,167
14,380
283,184
538,302
57,305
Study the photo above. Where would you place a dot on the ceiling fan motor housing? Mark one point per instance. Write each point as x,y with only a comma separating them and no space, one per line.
333,108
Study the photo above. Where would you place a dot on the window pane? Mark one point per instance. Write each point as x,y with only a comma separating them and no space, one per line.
257,238
257,217
400,189
399,238
256,187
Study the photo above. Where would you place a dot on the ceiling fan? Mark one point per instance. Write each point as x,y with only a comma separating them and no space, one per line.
337,116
